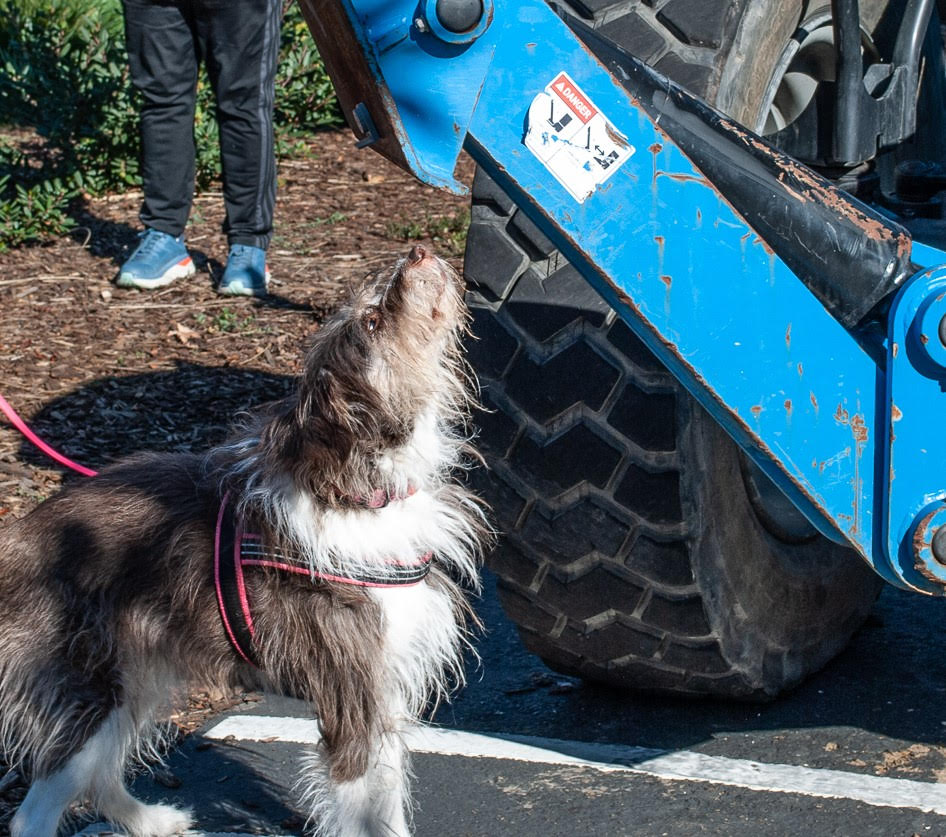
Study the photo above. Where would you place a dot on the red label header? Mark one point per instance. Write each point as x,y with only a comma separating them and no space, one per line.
569,93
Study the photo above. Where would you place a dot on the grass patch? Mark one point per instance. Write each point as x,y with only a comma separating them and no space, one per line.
226,321
447,231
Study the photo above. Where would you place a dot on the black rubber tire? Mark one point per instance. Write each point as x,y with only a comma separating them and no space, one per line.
631,551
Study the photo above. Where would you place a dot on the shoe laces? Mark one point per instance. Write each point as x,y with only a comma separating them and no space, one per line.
151,240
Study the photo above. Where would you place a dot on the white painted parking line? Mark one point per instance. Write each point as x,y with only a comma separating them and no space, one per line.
681,765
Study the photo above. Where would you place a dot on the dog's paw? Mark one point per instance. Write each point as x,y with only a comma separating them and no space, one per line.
161,821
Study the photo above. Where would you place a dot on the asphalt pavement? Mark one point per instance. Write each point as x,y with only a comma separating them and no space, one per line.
859,749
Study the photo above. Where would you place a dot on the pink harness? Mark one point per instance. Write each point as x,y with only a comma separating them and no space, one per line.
236,549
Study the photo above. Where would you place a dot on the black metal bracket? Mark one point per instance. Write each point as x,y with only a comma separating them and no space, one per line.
865,109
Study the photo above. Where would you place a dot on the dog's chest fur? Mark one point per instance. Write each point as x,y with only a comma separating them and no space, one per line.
421,636
420,624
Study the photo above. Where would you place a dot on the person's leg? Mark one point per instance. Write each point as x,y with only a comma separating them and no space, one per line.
163,59
241,41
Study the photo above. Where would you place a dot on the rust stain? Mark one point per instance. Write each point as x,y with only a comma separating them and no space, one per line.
895,349
813,189
699,216
919,538
788,337
904,246
895,413
859,429
614,136
655,149
842,416
765,245
682,178
814,401
922,538
788,406
924,339
667,280
756,410
801,370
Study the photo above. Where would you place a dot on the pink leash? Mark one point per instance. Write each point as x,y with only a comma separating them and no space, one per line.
20,425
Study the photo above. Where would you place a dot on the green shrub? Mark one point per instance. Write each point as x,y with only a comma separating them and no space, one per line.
64,80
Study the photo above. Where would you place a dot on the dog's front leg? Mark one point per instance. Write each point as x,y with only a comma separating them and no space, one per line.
358,789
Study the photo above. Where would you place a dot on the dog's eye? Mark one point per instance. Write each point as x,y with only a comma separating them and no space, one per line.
371,320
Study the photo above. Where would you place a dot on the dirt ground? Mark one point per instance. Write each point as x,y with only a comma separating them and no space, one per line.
98,371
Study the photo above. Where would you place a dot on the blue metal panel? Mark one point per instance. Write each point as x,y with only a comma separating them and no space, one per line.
914,498
410,66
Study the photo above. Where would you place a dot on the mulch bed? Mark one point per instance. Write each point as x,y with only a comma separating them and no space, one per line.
99,371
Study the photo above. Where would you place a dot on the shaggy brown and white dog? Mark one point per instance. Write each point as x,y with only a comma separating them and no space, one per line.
111,602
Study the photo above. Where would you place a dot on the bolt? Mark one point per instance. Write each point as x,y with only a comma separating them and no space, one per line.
459,16
938,545
421,25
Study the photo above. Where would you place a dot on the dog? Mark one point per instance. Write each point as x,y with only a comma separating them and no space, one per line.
347,540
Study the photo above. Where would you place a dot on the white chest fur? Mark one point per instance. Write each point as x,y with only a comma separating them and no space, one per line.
422,641
359,540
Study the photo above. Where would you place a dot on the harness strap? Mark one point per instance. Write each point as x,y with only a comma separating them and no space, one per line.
236,550
231,589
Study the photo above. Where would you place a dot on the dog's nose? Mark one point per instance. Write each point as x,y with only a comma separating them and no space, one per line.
417,254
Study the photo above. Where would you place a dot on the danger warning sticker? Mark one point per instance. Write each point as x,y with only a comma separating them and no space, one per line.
573,139
574,99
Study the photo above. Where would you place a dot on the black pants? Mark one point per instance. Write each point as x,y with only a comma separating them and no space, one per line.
239,41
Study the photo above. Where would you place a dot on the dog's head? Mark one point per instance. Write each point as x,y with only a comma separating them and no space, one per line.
385,363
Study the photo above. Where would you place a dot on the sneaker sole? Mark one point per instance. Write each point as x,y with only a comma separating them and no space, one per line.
240,290
181,270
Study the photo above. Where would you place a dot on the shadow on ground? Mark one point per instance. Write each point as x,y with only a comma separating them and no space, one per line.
890,682
187,409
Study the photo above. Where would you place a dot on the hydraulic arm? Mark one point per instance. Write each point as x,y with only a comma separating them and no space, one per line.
808,324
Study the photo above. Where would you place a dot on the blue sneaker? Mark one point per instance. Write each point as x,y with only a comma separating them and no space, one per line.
246,273
157,261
